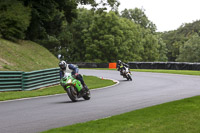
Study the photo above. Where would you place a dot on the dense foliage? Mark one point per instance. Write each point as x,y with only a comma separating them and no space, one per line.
95,35
107,37
14,19
190,50
182,44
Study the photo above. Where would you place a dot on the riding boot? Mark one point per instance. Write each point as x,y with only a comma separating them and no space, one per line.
81,92
121,73
86,88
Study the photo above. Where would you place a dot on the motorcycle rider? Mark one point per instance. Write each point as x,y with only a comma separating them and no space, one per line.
67,68
121,66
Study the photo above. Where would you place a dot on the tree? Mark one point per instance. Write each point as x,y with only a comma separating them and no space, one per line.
139,17
52,18
47,19
162,50
111,38
79,31
131,41
104,38
101,5
14,19
190,51
176,39
150,46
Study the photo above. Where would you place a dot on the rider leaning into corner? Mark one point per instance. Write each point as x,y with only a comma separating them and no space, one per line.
67,68
121,66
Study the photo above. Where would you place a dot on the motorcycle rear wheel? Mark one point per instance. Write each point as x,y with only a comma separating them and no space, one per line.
87,96
129,77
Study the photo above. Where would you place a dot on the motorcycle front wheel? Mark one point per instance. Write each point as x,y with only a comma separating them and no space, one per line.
72,93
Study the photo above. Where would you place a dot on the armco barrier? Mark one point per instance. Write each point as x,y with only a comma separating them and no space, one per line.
13,80
165,65
147,65
92,65
10,80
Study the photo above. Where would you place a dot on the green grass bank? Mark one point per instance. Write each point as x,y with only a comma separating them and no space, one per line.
25,56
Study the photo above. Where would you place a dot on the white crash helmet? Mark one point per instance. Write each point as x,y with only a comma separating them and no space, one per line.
62,65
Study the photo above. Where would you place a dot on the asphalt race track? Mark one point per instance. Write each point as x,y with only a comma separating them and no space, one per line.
147,89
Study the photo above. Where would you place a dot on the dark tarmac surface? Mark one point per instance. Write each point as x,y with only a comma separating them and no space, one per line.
147,89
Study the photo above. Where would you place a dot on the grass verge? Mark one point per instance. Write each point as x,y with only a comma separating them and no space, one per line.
91,81
181,116
25,56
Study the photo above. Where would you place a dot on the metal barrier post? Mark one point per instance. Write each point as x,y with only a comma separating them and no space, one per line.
23,82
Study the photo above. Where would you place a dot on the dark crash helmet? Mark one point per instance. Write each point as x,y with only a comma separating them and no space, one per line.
62,65
119,62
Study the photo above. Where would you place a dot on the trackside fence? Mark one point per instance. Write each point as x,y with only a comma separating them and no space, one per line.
165,65
147,65
18,80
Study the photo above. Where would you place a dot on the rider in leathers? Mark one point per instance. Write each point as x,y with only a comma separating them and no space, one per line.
70,68
121,66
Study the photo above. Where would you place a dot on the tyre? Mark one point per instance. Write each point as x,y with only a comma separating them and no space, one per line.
129,76
87,96
72,93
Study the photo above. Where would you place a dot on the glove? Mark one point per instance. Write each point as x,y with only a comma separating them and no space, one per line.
75,75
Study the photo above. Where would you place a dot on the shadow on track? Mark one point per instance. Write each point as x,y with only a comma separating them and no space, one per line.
62,102
125,80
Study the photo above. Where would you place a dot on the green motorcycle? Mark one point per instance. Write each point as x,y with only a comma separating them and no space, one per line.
74,88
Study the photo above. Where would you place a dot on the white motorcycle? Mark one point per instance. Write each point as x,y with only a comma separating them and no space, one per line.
126,73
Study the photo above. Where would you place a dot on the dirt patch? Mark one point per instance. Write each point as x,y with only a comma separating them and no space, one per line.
3,61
